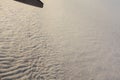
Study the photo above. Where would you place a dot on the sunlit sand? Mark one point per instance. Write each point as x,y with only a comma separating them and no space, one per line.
60,40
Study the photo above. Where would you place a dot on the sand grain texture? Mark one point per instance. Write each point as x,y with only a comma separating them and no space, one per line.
64,40
25,49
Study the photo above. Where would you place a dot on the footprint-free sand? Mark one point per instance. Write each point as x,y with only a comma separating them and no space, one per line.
64,40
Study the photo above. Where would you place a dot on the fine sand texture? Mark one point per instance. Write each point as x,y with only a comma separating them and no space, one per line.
26,50
59,40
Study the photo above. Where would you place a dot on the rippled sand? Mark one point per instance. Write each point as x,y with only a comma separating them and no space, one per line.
64,40
26,51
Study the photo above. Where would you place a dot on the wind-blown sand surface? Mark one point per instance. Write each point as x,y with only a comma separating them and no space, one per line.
26,51
64,40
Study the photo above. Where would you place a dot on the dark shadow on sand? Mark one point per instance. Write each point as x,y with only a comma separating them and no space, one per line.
35,3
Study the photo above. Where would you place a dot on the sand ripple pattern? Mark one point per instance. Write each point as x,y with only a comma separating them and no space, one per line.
25,54
30,62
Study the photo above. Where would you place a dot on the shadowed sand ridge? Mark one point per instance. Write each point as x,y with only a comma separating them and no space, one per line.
36,3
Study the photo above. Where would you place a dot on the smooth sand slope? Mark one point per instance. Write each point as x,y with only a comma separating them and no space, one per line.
64,40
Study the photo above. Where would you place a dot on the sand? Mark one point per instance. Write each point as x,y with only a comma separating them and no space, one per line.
60,40
26,51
